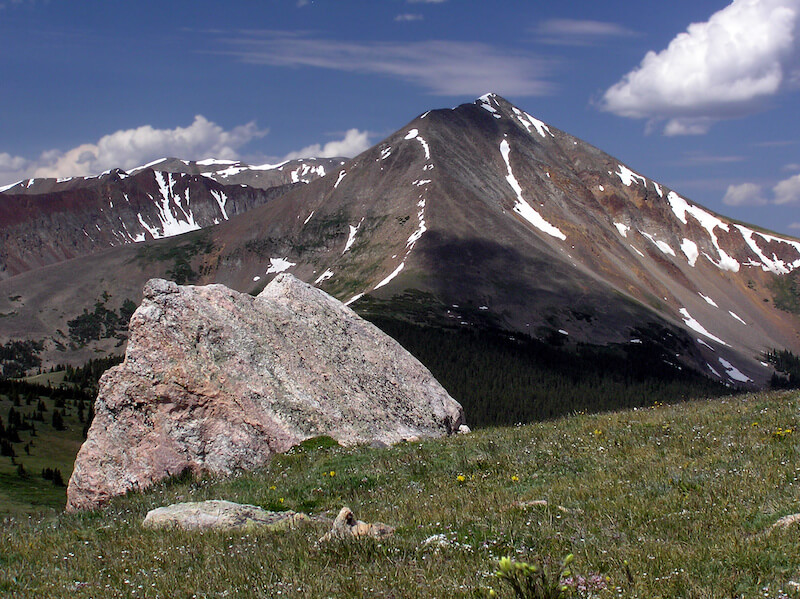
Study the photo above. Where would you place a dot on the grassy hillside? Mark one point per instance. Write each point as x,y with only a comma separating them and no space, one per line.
665,501
44,437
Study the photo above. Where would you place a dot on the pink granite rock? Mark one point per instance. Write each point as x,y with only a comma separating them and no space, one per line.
215,380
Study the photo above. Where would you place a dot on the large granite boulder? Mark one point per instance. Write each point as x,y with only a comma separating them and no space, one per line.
215,380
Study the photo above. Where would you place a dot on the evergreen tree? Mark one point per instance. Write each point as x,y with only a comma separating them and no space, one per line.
58,421
7,449
58,479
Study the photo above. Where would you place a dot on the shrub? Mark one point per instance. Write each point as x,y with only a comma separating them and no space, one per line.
533,581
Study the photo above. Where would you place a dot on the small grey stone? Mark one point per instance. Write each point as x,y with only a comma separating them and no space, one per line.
218,514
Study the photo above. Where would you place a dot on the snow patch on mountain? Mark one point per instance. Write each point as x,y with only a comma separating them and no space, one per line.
734,373
701,342
221,199
414,134
774,264
324,277
352,237
697,327
709,222
393,274
628,177
358,296
737,317
622,228
522,207
170,222
485,102
690,250
708,300
528,121
661,245
301,173
277,265
415,236
342,175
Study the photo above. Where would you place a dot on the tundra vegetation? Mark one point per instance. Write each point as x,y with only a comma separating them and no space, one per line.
663,501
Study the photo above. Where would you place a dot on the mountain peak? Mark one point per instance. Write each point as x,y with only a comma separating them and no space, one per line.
499,107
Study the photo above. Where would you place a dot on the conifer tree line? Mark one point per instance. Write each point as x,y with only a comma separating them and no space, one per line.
35,407
503,378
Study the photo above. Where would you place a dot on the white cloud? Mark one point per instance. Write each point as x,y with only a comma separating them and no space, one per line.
443,67
701,159
788,191
750,194
791,167
12,168
354,142
11,163
133,147
407,17
574,32
746,194
725,67
794,226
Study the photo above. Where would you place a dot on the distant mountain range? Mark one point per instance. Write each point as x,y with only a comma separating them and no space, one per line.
44,221
479,217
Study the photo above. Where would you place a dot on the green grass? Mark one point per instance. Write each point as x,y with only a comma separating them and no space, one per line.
686,494
49,449
786,293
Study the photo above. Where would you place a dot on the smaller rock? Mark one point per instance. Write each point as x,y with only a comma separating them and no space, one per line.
523,505
464,430
530,503
346,526
787,521
220,515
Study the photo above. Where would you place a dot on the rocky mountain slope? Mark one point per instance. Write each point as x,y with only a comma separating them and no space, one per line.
483,217
44,221
498,216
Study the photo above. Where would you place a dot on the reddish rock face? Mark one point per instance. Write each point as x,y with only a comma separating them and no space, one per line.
215,380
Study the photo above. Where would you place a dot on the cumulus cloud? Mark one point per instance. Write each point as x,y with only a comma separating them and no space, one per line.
746,194
791,167
443,67
750,194
574,32
788,191
354,142
794,226
407,17
133,147
723,68
11,163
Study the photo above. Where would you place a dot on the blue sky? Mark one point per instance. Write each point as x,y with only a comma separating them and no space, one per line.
702,97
